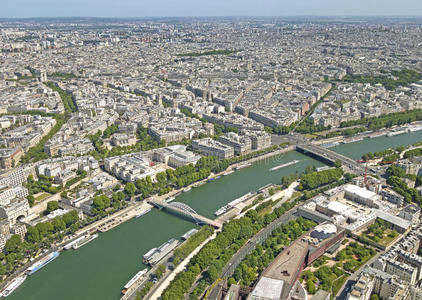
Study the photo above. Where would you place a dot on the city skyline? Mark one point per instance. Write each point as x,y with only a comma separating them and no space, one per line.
186,8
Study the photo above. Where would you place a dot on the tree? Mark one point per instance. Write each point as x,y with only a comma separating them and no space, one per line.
33,235
337,163
374,297
130,189
58,224
160,270
13,244
52,206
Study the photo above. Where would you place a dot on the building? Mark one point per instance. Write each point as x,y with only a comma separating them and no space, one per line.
41,75
2,242
279,281
210,147
361,195
241,144
403,271
259,140
363,288
15,210
8,194
130,167
175,156
10,157
411,213
17,176
19,229
392,196
123,139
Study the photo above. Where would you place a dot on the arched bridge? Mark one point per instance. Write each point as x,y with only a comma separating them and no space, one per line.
185,210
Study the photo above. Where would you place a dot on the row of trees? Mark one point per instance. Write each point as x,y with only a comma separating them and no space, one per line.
387,120
180,177
39,236
308,126
69,105
412,153
387,155
211,259
36,152
194,241
409,194
316,179
401,78
345,132
102,203
253,264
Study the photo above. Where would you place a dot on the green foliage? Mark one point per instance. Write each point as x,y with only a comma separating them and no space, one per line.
191,244
145,290
345,132
160,271
100,204
52,206
322,260
255,262
403,78
108,132
409,194
289,179
379,232
13,244
393,170
387,120
69,105
412,153
317,179
337,163
308,126
130,189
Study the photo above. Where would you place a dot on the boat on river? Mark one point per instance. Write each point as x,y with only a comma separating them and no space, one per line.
293,162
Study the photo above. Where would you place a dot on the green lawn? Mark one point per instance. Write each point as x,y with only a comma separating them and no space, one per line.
337,284
42,197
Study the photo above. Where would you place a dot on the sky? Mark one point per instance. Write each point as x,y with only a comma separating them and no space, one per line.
153,8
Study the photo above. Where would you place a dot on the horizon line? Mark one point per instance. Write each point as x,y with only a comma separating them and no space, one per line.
215,16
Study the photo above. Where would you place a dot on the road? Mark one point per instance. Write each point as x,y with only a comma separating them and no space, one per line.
158,289
258,238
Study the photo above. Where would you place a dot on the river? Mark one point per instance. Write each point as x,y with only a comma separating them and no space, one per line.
99,269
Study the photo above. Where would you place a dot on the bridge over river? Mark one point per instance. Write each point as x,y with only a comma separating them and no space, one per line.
185,210
330,156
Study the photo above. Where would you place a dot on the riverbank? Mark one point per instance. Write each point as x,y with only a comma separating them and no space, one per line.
129,212
389,132
114,257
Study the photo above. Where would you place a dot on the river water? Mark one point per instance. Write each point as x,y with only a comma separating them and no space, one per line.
101,268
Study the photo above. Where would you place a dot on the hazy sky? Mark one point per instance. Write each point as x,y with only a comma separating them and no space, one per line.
141,8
